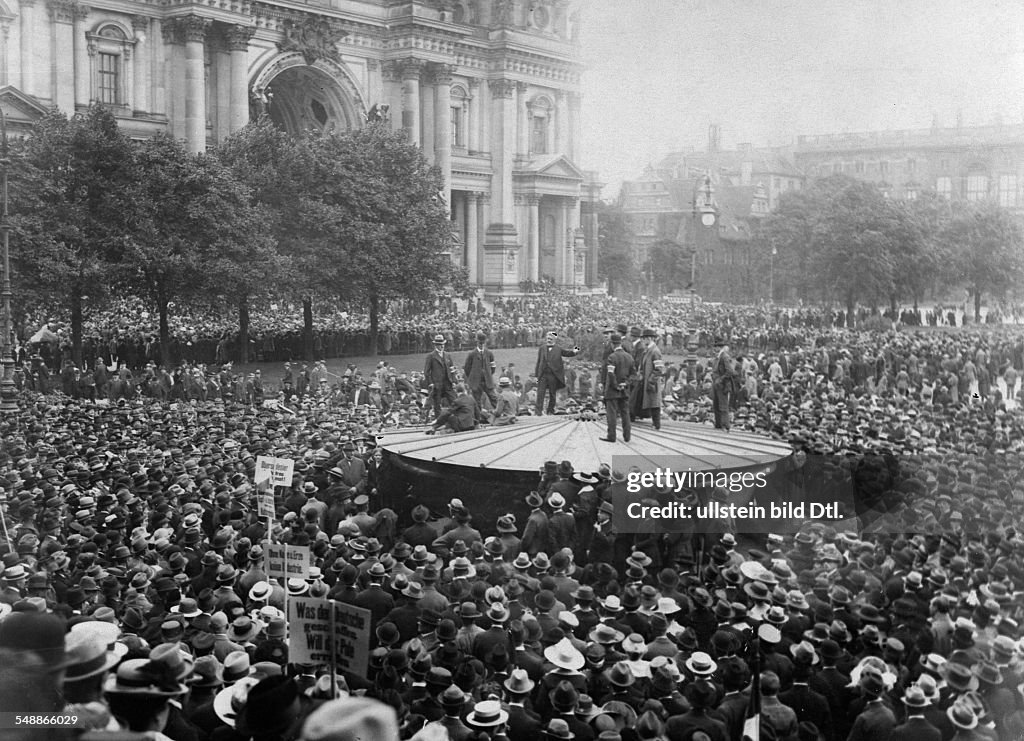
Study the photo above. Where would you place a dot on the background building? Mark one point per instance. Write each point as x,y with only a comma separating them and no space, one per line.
973,163
488,88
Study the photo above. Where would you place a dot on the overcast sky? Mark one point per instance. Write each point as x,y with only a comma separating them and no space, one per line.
660,71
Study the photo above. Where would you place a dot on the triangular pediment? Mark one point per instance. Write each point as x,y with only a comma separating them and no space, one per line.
556,166
17,106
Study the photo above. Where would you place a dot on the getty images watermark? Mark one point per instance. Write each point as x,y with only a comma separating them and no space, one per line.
667,494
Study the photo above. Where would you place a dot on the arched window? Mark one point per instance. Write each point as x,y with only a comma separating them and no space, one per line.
541,111
110,50
460,115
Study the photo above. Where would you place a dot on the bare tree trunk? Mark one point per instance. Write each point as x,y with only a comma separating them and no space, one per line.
374,323
307,327
243,329
76,324
165,330
977,305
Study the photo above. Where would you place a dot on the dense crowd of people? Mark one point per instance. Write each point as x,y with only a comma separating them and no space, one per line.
134,592
126,332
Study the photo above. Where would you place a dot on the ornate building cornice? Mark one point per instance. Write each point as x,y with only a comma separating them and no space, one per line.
66,11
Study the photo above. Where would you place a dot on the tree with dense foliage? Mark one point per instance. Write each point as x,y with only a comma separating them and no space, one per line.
72,190
986,245
616,264
198,234
840,238
379,229
273,165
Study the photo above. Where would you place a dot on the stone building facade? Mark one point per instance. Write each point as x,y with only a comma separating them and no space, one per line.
488,88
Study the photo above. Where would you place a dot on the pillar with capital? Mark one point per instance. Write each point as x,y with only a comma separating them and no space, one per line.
35,53
523,125
533,243
501,243
143,64
238,51
174,81
62,40
81,54
194,28
410,70
5,46
473,142
472,236
442,76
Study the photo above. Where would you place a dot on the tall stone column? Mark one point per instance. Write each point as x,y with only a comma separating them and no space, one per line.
523,124
485,115
62,41
472,236
238,49
83,72
503,151
533,244
5,47
158,92
562,242
562,136
473,123
442,75
411,98
143,61
195,28
501,244
574,128
174,77
35,53
219,82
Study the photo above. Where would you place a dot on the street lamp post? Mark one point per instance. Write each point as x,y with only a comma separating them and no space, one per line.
7,390
771,276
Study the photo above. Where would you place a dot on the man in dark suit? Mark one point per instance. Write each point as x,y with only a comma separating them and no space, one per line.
616,389
479,370
550,371
460,416
439,375
916,728
809,706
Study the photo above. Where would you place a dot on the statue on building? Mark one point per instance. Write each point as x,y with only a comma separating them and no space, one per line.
510,262
503,10
315,38
380,113
260,99
575,23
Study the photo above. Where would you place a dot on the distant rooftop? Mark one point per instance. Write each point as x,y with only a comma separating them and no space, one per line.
936,136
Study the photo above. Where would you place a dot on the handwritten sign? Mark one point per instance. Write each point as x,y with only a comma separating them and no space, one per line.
287,561
265,503
312,641
273,471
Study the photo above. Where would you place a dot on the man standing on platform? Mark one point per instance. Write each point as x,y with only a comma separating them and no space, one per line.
723,377
551,371
439,375
616,389
650,369
479,370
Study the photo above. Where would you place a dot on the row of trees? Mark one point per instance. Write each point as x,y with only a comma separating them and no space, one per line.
840,240
353,216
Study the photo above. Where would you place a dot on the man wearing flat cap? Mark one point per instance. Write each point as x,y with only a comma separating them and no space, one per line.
550,371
